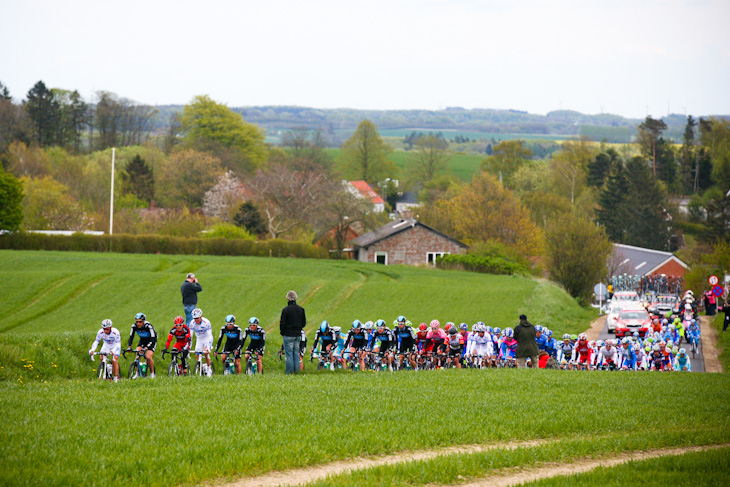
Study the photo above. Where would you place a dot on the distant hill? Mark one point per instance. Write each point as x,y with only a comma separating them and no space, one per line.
338,123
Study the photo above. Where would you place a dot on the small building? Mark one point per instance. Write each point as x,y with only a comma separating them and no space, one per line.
363,190
404,241
406,202
646,262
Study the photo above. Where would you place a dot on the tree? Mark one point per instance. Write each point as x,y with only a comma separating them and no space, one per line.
646,221
600,168
577,251
430,158
227,193
48,205
718,219
287,198
213,127
569,166
648,133
174,129
138,179
15,124
688,157
340,209
44,113
184,178
121,122
305,148
249,217
4,93
507,157
11,201
365,155
612,201
486,210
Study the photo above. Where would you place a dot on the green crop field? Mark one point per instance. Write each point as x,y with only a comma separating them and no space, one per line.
462,166
62,427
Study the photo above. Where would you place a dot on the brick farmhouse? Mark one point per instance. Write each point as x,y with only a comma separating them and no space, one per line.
404,241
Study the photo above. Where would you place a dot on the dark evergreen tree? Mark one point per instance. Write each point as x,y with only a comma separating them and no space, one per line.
248,217
44,113
718,219
600,168
612,202
687,158
489,149
703,168
4,93
666,163
647,223
138,179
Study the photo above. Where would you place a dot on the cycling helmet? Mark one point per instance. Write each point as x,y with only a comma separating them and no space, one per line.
401,319
106,323
487,328
573,337
475,327
452,330
253,321
647,348
682,351
566,336
463,326
449,324
197,313
356,324
179,320
230,319
547,331
435,324
480,323
582,337
140,316
336,329
509,332
324,326
675,350
497,330
693,321
670,343
380,323
650,339
656,348
538,328
636,334
601,343
671,326
592,344
625,341
422,327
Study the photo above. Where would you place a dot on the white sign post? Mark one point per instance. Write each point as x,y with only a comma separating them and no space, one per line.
600,290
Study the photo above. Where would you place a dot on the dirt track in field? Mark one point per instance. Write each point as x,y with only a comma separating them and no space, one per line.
512,477
302,476
596,327
709,350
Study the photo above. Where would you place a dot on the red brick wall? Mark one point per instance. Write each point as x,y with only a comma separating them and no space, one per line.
411,246
671,268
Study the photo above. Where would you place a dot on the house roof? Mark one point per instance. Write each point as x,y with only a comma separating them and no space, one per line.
367,191
393,228
644,261
410,197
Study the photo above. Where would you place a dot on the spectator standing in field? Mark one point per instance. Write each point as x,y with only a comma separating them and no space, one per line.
190,289
726,310
526,345
293,320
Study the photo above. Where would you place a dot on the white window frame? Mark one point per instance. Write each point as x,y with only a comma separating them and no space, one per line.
431,256
378,254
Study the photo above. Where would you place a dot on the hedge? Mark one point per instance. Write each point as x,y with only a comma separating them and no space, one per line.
158,244
484,264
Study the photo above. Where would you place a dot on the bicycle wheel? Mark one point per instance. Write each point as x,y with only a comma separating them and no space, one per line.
249,368
134,371
172,371
198,370
226,369
101,371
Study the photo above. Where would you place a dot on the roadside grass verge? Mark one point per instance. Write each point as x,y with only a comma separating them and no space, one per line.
697,469
469,467
167,431
723,342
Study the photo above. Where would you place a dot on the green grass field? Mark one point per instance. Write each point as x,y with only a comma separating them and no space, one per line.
462,166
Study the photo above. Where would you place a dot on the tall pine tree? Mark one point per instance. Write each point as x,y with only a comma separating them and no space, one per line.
138,179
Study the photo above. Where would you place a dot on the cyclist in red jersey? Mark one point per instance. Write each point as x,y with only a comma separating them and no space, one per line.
183,339
582,352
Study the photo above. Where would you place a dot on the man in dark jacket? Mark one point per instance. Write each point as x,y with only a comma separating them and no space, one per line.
293,320
190,289
526,345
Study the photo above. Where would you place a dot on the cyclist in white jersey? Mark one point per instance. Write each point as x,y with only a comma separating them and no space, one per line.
203,335
480,344
112,344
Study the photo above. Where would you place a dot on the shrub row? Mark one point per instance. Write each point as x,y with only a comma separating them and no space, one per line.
478,263
157,244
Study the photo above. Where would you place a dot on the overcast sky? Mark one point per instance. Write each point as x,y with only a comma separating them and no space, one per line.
629,57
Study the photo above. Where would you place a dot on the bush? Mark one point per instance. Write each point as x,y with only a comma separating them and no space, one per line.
229,231
484,264
160,244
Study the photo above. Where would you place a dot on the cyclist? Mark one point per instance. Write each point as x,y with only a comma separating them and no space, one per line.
203,338
234,342
540,338
112,345
509,347
693,332
147,339
183,338
565,352
627,355
656,359
326,335
480,347
582,353
384,337
423,343
608,356
339,353
257,345
455,344
302,349
405,339
551,345
436,336
496,334
356,342
682,362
